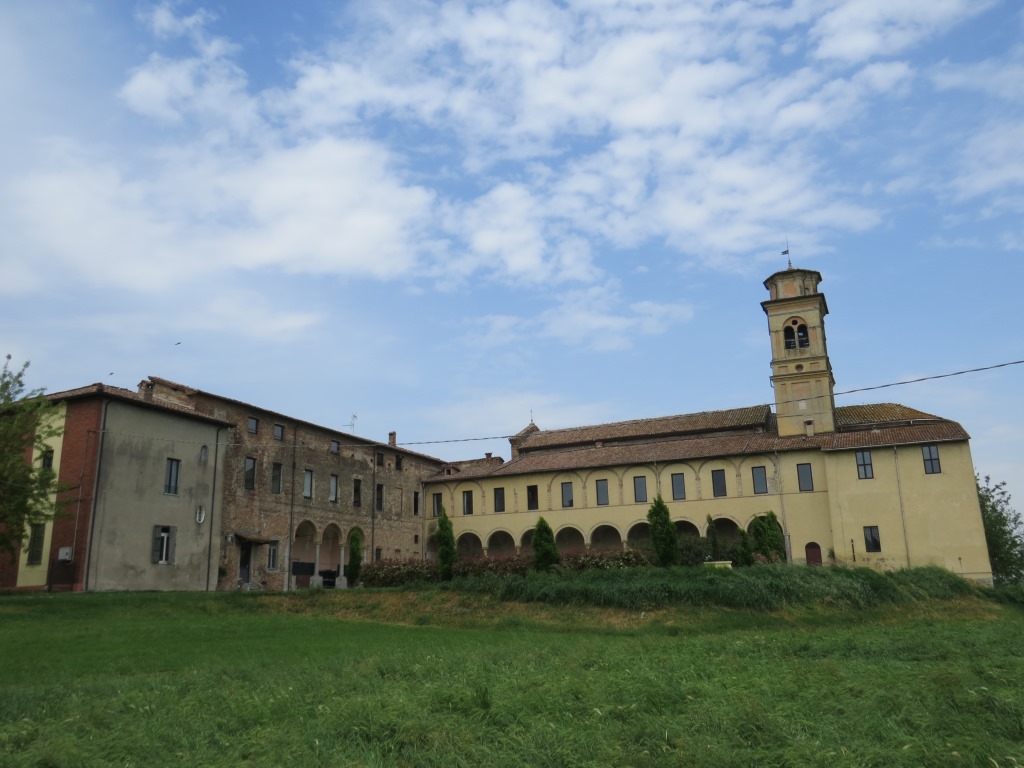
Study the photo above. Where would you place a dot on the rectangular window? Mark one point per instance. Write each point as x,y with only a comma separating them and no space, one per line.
279,431
566,494
931,459
272,549
416,503
36,533
467,502
532,498
804,478
380,497
436,505
865,471
499,499
378,554
398,462
275,477
307,484
171,476
380,459
47,459
760,477
249,478
335,446
602,493
253,425
357,492
872,541
640,488
333,490
163,544
678,486
718,483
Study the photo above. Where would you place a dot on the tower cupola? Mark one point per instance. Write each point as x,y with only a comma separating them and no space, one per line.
801,372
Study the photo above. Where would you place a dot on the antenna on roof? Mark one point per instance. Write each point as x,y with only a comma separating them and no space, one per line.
786,254
353,424
531,415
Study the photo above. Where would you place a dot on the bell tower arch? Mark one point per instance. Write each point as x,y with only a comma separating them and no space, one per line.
801,372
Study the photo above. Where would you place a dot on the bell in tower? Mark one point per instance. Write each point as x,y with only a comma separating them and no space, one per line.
801,372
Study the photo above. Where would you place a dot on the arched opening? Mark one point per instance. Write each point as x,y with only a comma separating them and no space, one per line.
789,334
569,540
431,551
686,528
330,555
526,543
639,536
304,553
469,545
812,553
501,543
766,538
606,537
802,339
728,532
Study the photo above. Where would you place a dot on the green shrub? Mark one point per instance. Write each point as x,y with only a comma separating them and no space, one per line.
767,541
545,552
663,533
355,557
398,573
446,553
693,550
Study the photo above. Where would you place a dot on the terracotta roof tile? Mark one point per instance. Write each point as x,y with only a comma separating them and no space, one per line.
851,415
119,393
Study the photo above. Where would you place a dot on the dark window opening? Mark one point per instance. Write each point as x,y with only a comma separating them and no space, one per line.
931,459
802,339
380,459
415,503
380,497
171,477
36,534
467,502
357,492
307,484
253,425
332,494
249,479
438,506
718,482
532,497
804,477
865,470
640,488
398,462
602,492
275,477
47,459
872,540
760,477
499,499
790,337
335,446
678,487
279,431
566,494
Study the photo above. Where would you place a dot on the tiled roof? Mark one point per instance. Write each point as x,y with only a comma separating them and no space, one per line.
665,426
906,426
119,393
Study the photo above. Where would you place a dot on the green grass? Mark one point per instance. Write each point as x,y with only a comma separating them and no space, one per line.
473,680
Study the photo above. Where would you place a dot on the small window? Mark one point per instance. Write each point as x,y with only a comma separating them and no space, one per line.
249,478
532,497
332,494
380,497
204,456
335,447
467,502
279,431
357,492
566,494
378,554
760,478
602,493
436,505
872,541
804,478
171,477
640,488
398,462
415,503
718,488
415,538
802,339
163,544
275,477
253,425
931,459
865,471
499,499
380,459
47,459
678,486
307,484
272,550
789,334
36,534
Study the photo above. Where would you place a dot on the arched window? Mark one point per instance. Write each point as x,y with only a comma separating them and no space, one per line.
790,336
801,336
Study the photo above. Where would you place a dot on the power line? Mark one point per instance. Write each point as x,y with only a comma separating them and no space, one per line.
931,378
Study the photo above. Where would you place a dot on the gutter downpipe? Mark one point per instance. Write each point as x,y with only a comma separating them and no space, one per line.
782,509
291,511
213,503
101,435
899,491
373,509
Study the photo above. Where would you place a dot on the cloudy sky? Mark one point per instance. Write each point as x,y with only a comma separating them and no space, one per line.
446,217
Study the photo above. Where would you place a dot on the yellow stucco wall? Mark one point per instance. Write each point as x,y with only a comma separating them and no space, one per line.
35,575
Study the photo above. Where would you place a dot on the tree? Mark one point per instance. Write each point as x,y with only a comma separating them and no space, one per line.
663,533
713,543
545,551
355,556
767,539
1004,532
28,485
446,553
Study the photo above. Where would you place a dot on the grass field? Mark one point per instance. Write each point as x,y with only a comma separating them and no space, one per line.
447,678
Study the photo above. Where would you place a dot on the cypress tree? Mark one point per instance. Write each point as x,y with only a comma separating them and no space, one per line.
355,557
663,533
545,551
446,554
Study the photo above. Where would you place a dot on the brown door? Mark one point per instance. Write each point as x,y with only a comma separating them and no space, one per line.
813,554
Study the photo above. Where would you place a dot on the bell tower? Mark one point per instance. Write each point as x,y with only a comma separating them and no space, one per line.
801,372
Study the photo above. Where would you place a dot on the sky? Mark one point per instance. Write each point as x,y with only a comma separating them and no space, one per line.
446,219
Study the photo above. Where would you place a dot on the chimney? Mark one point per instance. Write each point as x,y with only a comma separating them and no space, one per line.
809,427
392,439
487,455
147,390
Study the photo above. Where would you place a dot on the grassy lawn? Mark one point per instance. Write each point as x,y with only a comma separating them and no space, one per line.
425,678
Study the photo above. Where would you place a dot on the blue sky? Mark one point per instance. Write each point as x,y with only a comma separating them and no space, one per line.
444,217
